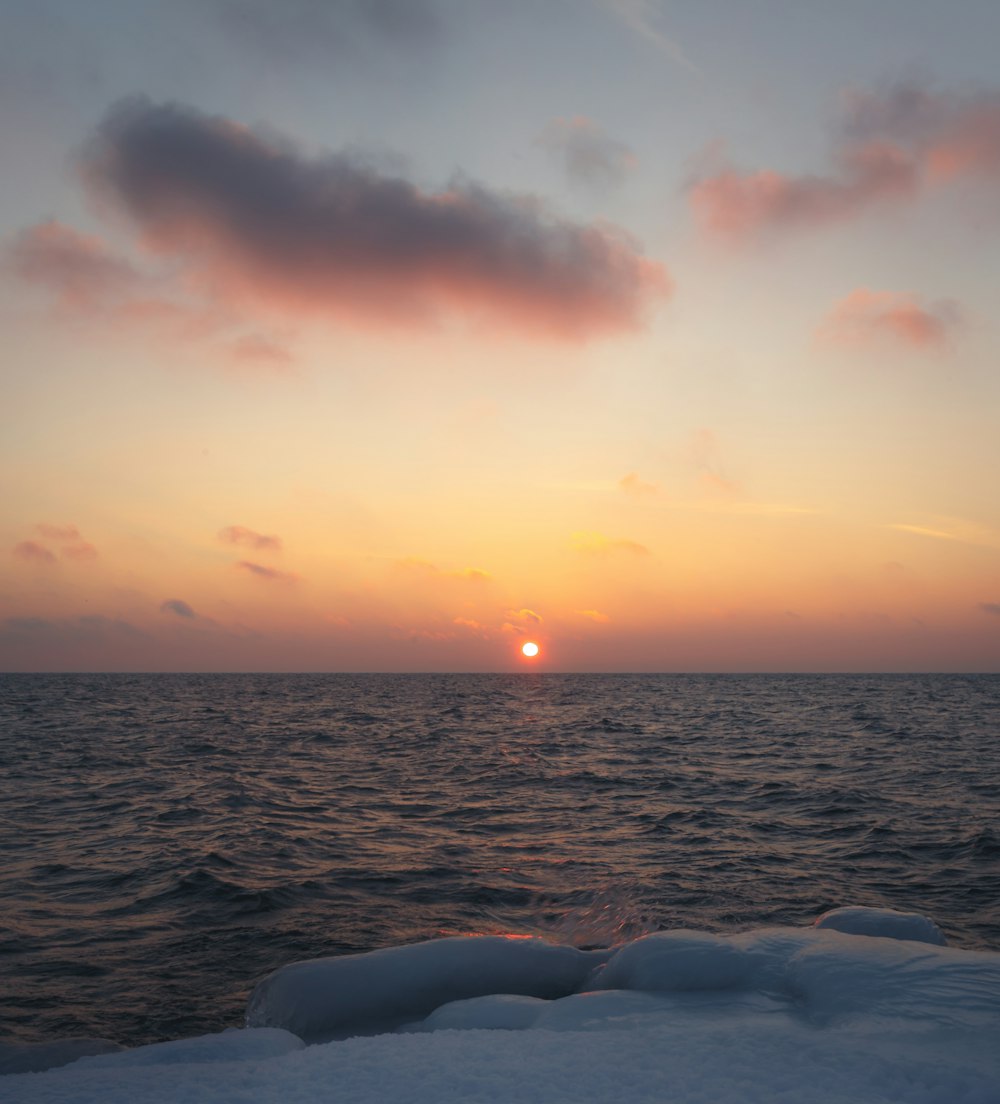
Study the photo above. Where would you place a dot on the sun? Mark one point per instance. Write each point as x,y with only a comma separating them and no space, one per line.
529,649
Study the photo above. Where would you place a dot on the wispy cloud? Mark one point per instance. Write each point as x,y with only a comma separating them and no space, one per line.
58,532
269,574
892,147
80,270
597,544
635,487
992,608
589,156
924,531
645,19
249,538
866,317
425,567
594,615
67,538
32,552
334,236
178,608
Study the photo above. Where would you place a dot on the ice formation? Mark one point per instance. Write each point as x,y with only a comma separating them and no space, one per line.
811,1015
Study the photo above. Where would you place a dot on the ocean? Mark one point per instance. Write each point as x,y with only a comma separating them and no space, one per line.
167,840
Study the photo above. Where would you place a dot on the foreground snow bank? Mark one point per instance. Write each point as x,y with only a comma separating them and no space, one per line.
810,1016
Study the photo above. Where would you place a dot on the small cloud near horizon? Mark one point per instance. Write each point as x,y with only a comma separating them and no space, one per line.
597,544
33,552
632,485
270,574
178,607
249,538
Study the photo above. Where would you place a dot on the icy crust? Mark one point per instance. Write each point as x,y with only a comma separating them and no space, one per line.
331,998
799,1015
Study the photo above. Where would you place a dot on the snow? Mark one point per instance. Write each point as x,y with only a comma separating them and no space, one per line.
806,1015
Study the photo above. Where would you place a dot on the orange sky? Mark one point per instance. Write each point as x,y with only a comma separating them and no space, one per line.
672,357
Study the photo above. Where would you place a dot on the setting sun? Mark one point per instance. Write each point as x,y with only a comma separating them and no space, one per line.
530,649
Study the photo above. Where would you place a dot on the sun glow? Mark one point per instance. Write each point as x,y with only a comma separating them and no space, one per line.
530,649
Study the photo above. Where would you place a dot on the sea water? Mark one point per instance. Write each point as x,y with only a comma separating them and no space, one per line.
167,840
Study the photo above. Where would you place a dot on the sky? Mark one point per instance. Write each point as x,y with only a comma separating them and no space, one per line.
388,335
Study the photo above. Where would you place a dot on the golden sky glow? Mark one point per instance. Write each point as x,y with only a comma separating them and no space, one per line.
675,359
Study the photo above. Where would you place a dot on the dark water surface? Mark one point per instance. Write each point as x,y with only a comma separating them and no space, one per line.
168,839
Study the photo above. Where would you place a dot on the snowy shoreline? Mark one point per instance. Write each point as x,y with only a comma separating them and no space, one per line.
865,1005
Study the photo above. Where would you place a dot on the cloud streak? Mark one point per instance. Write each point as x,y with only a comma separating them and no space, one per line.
178,607
255,219
597,544
248,538
268,574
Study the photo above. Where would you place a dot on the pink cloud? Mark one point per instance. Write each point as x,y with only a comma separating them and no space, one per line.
256,349
80,270
80,551
270,574
258,221
248,538
736,206
893,147
33,552
865,316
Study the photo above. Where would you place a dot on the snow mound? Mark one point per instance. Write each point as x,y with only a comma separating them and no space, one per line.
886,923
330,998
676,961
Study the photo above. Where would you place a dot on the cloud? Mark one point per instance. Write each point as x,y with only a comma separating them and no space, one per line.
258,222
736,206
594,615
892,147
867,316
33,552
425,567
58,532
79,270
247,538
923,531
527,615
178,607
632,485
520,622
992,608
81,551
597,544
256,349
589,156
705,453
271,574
643,18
